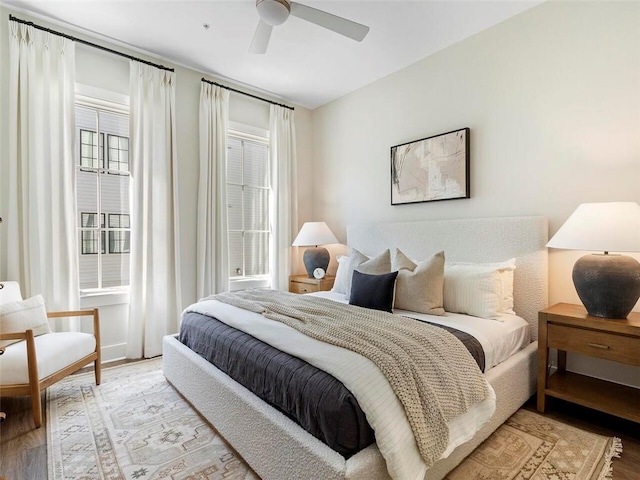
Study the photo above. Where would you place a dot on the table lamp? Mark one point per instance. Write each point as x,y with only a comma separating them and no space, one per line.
313,234
608,284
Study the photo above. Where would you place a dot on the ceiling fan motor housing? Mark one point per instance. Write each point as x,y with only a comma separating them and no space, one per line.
273,12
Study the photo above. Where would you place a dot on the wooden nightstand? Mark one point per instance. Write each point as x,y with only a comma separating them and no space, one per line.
304,284
568,328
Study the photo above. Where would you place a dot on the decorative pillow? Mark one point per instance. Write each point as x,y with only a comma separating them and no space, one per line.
377,265
24,315
373,291
10,292
340,283
419,287
506,270
479,289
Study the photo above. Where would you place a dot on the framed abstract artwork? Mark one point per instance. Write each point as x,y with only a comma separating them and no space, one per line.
431,169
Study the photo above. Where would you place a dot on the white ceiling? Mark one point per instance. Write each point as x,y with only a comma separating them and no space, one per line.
305,64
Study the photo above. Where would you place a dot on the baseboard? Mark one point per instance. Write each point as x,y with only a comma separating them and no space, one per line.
111,353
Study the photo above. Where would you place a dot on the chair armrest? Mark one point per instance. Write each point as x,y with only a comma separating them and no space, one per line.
13,336
32,362
80,313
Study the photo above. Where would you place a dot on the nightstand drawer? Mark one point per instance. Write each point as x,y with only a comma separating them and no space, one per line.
618,348
296,287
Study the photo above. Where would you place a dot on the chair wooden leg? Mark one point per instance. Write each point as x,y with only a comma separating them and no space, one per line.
36,406
97,369
34,380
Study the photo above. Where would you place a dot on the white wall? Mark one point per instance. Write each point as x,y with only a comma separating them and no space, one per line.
100,69
552,97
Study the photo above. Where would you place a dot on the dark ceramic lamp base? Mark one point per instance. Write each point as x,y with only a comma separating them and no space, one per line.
608,285
315,257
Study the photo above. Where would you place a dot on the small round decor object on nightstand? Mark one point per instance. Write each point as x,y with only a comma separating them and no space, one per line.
319,273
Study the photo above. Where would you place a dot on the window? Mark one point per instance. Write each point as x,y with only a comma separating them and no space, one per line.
119,233
248,193
89,149
90,232
118,153
102,189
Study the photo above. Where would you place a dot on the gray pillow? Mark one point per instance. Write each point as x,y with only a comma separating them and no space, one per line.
377,265
419,287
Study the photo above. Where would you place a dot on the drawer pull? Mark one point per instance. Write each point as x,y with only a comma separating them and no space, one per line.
599,345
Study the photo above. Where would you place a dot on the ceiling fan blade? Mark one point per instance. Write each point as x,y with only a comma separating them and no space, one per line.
261,38
332,22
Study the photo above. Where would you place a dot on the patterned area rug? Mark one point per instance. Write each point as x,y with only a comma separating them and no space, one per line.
136,426
529,446
133,426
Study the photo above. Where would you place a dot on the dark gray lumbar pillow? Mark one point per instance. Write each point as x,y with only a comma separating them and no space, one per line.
373,291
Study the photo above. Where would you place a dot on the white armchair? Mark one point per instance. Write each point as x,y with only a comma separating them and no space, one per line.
34,357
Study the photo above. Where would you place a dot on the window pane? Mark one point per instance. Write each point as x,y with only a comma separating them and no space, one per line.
234,161
116,126
89,219
256,209
88,263
235,254
87,193
115,270
114,194
118,221
257,253
119,241
256,164
89,242
234,207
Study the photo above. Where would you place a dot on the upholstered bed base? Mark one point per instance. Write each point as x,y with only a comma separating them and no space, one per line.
277,448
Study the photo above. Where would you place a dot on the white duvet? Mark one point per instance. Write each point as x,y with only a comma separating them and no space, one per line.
362,377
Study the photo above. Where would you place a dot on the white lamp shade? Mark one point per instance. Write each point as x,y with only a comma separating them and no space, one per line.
601,227
314,233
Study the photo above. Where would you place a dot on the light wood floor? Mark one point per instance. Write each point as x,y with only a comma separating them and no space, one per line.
23,448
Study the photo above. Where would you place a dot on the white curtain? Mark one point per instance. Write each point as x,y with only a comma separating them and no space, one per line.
155,298
284,221
41,237
212,254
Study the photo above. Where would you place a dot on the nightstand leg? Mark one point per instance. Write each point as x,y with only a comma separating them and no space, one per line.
562,361
543,361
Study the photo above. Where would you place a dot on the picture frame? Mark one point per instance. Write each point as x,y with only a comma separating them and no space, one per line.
431,169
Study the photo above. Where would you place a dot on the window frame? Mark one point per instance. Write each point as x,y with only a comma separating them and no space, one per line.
112,102
261,136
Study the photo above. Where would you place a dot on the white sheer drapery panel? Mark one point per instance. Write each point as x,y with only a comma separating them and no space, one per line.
42,243
284,201
212,255
154,308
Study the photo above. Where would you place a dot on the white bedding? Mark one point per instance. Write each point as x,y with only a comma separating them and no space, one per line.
382,408
499,339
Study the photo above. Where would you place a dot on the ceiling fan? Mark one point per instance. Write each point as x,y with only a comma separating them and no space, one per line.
275,12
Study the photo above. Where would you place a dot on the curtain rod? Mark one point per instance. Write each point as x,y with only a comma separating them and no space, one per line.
84,42
247,94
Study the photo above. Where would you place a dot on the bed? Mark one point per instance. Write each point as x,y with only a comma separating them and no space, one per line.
278,448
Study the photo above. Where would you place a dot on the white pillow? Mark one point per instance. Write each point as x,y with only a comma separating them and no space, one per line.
24,315
377,265
340,284
419,287
479,289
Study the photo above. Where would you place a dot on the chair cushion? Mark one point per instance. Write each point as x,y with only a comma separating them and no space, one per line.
54,351
24,315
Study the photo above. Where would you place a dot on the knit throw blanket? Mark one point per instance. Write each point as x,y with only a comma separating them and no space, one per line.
430,371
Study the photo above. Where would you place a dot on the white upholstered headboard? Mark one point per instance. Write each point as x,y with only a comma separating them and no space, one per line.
472,240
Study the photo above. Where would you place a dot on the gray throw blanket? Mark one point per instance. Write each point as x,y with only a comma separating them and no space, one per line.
430,371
